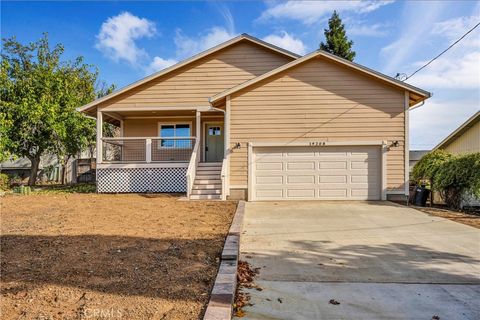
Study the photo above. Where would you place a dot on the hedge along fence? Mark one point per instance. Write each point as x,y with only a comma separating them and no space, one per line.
453,176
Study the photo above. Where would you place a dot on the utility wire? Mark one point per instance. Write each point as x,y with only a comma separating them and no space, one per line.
460,39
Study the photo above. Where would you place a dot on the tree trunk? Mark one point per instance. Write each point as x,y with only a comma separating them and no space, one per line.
64,166
34,170
431,192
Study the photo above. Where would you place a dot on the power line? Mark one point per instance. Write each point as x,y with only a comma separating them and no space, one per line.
460,39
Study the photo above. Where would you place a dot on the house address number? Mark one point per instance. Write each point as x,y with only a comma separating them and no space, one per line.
317,143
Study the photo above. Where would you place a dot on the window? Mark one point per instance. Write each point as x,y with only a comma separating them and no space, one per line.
214,131
175,130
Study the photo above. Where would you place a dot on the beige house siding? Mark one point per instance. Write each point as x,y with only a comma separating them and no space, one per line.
148,127
467,142
193,84
318,101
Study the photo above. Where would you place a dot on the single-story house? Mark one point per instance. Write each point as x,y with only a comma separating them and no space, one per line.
247,119
465,139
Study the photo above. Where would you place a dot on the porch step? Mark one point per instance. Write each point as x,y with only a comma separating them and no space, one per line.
205,196
207,191
207,181
210,164
208,172
207,186
207,177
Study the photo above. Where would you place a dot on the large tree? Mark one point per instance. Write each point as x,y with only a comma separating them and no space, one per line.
38,97
336,39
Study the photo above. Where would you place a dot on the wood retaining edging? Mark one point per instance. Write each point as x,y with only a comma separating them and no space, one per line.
223,292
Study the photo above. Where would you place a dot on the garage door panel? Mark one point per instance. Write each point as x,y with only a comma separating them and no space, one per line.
269,194
269,154
300,165
332,179
332,154
269,180
332,193
300,179
301,193
334,172
300,154
359,179
363,164
333,164
330,173
269,166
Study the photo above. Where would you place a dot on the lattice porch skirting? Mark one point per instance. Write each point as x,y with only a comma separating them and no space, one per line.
118,180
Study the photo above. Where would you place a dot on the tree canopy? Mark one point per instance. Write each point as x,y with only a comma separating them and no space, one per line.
336,39
39,95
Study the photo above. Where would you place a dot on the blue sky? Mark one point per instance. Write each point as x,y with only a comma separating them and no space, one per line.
129,40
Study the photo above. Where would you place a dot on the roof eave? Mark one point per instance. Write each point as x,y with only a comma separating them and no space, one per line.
420,92
185,62
458,131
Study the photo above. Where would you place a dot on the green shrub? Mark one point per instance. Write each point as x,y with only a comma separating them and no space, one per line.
4,180
75,188
427,167
457,177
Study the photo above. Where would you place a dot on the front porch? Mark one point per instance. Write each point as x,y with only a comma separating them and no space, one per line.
162,150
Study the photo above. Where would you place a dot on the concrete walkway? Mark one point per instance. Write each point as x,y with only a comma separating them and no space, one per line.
377,259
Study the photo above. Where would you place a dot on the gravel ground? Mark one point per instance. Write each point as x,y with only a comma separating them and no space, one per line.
90,256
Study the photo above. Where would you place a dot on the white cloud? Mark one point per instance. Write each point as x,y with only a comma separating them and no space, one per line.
454,72
418,20
458,68
367,30
118,34
454,79
309,12
189,46
158,64
288,42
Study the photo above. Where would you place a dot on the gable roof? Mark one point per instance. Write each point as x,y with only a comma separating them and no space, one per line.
416,94
459,131
183,63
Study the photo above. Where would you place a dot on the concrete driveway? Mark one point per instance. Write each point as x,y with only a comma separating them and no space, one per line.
377,259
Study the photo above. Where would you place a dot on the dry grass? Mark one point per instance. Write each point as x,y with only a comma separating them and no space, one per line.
73,256
470,219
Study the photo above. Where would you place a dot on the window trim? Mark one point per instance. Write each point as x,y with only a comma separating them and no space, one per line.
159,130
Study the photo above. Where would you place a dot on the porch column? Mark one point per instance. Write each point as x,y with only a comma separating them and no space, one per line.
198,126
226,126
99,136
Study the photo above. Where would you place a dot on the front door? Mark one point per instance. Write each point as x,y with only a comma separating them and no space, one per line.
214,142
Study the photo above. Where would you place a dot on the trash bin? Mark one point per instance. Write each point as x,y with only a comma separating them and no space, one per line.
421,196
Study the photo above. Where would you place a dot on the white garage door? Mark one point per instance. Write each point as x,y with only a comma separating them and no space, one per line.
324,173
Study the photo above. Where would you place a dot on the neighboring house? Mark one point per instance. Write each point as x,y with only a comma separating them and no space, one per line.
247,119
48,168
465,139
415,156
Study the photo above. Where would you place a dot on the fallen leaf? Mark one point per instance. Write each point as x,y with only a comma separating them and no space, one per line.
334,302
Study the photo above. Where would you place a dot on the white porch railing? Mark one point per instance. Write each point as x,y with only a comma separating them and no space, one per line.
147,149
192,168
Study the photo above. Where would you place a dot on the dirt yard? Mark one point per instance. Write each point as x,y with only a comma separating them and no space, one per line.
89,256
470,219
